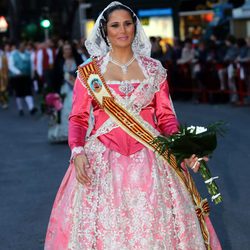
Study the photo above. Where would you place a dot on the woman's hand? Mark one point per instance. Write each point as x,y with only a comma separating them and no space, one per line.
81,164
194,162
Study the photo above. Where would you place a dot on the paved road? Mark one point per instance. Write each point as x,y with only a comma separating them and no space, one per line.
31,170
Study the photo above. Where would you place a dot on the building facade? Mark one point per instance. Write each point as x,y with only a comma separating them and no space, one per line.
24,16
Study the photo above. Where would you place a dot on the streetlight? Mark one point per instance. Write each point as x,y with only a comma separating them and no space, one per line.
3,24
45,22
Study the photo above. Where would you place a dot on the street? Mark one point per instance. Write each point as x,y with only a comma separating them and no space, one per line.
31,171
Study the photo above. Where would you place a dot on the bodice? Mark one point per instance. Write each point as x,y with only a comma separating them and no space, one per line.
148,100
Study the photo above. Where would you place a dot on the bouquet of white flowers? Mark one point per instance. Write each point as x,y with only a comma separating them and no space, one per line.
196,140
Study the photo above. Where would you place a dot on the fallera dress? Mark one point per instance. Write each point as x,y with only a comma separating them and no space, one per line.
135,201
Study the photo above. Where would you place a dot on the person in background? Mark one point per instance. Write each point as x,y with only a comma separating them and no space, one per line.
198,73
185,63
247,71
243,65
33,48
45,62
216,54
3,80
64,75
8,48
175,76
156,51
82,50
229,60
20,71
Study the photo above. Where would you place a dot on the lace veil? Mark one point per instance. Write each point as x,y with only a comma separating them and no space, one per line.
97,47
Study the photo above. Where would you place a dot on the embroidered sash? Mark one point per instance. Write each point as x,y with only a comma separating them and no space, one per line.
93,80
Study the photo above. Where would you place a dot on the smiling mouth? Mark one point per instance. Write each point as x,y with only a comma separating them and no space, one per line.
123,38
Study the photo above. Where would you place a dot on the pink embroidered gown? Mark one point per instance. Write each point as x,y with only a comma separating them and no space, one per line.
135,201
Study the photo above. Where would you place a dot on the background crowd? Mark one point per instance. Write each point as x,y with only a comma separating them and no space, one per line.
202,71
210,70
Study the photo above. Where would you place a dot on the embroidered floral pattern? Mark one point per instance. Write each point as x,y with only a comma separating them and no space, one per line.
126,87
134,202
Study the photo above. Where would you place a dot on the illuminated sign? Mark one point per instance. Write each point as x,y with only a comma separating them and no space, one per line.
155,12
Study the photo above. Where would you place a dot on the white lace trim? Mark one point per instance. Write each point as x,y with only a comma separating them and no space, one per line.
144,123
142,96
109,125
75,151
145,73
103,63
113,82
106,127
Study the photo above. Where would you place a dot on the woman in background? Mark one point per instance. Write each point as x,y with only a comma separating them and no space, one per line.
3,80
65,75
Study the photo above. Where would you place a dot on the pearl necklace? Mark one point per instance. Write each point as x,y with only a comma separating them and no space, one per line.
124,67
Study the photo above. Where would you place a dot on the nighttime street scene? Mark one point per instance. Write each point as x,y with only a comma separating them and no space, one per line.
124,125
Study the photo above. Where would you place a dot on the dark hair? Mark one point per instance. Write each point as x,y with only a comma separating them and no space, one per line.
241,42
231,39
188,40
105,18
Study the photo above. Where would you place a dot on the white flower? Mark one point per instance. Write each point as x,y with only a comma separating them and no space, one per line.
197,129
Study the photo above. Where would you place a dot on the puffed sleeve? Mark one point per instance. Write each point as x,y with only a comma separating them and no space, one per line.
79,116
166,118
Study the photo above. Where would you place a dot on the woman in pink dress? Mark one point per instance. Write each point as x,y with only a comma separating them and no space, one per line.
118,194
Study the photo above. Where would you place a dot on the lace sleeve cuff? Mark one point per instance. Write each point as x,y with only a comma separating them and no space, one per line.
75,152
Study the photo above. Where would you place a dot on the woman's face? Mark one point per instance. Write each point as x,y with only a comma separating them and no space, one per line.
120,29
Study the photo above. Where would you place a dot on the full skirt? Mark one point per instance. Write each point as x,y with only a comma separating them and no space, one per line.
134,202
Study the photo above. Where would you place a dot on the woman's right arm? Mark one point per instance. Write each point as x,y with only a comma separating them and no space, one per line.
78,118
78,125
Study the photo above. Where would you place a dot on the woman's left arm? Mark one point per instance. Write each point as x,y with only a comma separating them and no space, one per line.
168,123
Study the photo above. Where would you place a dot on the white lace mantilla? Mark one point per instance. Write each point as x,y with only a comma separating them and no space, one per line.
96,45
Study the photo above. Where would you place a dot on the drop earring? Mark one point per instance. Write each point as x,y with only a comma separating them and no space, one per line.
109,44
